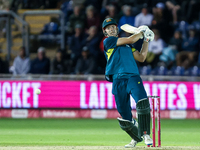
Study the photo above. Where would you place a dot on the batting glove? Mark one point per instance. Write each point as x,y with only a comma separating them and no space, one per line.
142,29
148,35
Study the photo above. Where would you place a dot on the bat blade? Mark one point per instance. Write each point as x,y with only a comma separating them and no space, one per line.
129,29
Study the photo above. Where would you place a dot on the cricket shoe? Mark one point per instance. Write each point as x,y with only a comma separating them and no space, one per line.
147,139
131,144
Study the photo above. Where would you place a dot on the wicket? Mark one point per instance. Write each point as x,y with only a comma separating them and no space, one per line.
153,98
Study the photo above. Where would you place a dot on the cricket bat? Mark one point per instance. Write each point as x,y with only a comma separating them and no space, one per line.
129,29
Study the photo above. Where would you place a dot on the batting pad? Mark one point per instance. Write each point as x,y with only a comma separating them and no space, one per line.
130,128
143,111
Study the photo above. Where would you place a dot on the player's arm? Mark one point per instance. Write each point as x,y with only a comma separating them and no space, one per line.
129,40
133,38
141,56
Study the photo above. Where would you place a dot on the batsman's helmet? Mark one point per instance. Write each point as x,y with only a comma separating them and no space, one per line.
108,21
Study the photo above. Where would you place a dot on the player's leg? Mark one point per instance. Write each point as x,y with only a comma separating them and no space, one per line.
122,99
138,93
123,106
144,118
131,128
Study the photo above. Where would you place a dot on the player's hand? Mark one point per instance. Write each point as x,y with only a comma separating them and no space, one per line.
142,29
148,35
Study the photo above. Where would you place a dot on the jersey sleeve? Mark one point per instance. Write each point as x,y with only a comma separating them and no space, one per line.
110,42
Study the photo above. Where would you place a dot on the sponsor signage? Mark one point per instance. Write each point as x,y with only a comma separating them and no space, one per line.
91,95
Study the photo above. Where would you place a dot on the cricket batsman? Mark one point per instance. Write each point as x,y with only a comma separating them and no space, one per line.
122,70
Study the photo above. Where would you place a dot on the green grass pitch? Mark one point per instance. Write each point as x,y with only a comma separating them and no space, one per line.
90,132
